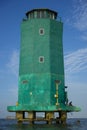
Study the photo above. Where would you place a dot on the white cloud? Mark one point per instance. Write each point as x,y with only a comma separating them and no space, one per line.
78,17
13,63
76,61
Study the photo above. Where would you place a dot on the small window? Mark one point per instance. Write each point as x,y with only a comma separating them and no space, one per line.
41,31
41,59
35,14
43,15
38,14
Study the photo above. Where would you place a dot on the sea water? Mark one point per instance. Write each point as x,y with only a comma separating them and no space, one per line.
72,124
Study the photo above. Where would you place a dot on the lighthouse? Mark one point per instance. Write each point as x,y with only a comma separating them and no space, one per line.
41,86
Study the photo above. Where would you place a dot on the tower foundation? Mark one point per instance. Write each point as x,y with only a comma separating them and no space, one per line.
48,117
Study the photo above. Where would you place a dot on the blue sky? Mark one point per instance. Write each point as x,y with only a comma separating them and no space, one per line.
74,17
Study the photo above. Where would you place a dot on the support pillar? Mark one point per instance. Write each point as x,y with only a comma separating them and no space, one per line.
49,116
31,116
20,116
63,117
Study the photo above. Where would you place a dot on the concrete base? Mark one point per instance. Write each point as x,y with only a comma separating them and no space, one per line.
49,117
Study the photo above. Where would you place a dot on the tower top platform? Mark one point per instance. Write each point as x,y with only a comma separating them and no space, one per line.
41,13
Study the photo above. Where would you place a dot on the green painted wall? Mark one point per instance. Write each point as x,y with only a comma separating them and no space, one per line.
34,45
37,80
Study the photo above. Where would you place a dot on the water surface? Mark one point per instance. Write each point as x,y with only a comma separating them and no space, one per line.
72,124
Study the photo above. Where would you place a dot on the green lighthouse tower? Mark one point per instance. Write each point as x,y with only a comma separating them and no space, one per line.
41,69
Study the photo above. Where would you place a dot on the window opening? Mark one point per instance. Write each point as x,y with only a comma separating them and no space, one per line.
35,14
38,14
41,31
41,59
